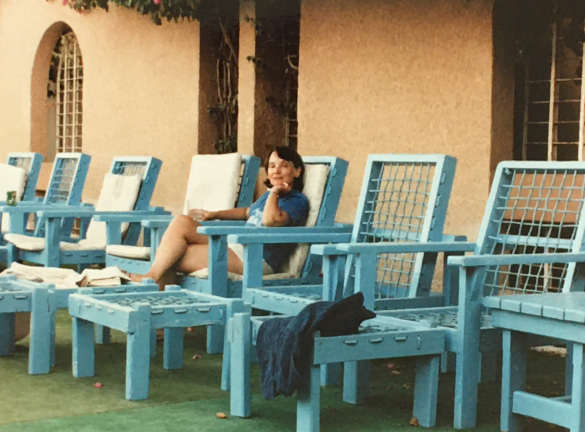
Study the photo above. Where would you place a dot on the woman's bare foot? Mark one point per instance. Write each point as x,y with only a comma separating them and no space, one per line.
134,277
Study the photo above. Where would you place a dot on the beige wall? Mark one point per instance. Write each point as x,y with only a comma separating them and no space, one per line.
380,76
140,87
376,76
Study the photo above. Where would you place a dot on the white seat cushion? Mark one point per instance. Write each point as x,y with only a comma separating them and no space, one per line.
124,251
213,182
11,179
315,181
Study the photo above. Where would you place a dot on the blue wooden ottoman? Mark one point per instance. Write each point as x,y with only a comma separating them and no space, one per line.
556,315
139,315
39,300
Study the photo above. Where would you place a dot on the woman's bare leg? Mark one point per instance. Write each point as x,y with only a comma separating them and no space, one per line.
196,257
181,233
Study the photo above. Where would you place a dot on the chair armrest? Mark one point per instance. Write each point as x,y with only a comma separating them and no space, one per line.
291,235
391,247
518,259
31,207
134,216
269,231
90,212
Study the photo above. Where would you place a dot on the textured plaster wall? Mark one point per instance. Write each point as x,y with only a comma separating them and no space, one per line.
140,88
379,76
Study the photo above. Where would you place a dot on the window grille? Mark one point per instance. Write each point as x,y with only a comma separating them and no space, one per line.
69,96
554,96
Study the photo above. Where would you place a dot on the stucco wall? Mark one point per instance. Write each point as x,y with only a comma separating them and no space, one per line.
379,76
140,88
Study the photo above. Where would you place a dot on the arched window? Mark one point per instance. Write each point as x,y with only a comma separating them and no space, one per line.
66,87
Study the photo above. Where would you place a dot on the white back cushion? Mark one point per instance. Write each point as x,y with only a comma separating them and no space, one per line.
315,182
213,182
119,193
11,179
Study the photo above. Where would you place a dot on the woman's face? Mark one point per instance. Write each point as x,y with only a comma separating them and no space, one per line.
281,171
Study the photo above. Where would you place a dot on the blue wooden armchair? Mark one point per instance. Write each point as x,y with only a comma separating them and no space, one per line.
532,231
324,179
215,182
127,189
404,201
65,188
404,198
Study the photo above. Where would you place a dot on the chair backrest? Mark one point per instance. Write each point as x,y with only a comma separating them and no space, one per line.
147,169
65,185
119,193
404,198
533,208
324,179
31,164
220,182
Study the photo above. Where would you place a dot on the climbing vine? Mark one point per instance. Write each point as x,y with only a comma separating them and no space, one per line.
159,10
224,112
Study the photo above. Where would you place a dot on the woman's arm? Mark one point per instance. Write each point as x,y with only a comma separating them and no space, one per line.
273,216
240,213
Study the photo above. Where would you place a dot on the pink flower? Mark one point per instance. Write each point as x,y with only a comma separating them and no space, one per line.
65,2
154,1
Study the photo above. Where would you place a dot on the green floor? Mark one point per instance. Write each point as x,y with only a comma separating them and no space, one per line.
189,399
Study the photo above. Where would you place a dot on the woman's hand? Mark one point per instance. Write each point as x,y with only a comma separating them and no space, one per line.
281,190
200,214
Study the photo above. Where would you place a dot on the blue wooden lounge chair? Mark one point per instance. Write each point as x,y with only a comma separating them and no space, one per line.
404,199
126,189
533,225
65,188
216,182
324,179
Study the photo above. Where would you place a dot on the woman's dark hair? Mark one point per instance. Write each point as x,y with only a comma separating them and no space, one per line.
291,155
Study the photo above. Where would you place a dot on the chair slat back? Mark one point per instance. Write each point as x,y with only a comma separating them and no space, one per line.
148,168
404,199
31,163
65,185
533,208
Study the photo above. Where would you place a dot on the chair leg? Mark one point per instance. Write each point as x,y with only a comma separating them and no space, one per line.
227,354
514,347
215,339
240,394
331,374
152,343
309,402
356,381
173,348
53,335
102,335
569,370
83,348
39,358
6,333
426,387
138,355
578,396
466,384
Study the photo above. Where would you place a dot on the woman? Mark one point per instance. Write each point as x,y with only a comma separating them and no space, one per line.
183,249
